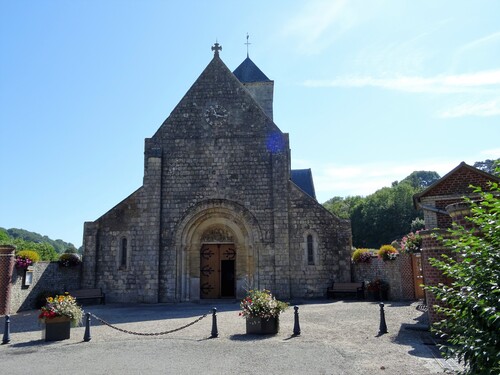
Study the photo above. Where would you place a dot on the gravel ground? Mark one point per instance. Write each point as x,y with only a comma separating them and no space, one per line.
337,337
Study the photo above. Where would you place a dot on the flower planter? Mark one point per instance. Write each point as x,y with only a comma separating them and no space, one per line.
57,329
262,326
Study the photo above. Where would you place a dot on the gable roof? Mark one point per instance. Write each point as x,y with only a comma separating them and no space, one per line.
457,182
217,85
303,179
248,72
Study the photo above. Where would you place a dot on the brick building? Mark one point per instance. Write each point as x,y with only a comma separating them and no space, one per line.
443,204
449,189
220,208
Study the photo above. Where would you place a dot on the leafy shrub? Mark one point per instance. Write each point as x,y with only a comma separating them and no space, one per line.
361,256
471,303
69,260
387,252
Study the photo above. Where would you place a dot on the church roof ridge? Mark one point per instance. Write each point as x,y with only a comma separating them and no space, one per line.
248,72
211,77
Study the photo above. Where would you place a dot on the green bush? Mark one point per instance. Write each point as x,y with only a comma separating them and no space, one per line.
471,304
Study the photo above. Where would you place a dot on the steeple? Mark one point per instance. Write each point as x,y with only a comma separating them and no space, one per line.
257,83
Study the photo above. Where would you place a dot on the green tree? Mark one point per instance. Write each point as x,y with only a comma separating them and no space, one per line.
422,179
342,207
45,250
471,304
488,166
384,215
4,237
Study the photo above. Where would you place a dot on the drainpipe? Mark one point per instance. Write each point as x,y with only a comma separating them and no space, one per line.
434,209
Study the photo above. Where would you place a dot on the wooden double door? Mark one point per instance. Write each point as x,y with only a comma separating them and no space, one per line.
217,271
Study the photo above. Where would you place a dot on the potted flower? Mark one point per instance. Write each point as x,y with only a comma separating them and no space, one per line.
361,256
377,290
69,260
387,252
25,259
261,310
412,242
58,315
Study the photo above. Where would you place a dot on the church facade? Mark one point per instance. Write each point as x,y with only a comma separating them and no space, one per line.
220,210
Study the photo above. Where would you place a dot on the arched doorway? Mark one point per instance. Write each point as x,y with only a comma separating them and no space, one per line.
228,236
217,271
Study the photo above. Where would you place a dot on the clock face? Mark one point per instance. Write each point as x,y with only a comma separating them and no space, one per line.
216,114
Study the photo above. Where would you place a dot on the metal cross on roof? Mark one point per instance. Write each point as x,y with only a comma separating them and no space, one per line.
216,48
247,43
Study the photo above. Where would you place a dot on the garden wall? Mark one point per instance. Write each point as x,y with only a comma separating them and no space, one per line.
397,273
47,277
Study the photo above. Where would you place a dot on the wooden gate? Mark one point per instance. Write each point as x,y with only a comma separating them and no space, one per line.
418,276
217,271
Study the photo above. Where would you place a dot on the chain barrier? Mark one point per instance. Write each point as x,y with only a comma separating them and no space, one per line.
148,334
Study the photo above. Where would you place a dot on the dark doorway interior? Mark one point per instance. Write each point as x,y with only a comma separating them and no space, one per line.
227,278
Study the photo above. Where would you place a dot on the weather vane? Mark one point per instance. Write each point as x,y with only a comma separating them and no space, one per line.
247,43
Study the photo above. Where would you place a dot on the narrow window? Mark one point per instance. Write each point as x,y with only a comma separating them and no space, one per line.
123,254
310,250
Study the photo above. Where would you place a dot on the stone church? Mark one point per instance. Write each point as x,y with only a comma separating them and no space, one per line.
220,210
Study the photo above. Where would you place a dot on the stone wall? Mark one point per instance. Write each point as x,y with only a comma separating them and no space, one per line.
47,277
397,273
331,246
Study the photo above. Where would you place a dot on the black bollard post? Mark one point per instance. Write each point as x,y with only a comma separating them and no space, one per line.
86,336
383,326
6,332
215,332
296,325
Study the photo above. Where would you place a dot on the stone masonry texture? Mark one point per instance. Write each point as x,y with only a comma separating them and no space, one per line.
216,171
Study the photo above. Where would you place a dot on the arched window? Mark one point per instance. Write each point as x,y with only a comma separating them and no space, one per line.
123,253
310,249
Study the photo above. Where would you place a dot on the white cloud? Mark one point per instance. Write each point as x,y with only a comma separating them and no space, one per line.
459,83
490,154
484,41
364,179
318,23
488,108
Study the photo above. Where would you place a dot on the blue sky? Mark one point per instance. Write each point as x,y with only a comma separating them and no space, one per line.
369,92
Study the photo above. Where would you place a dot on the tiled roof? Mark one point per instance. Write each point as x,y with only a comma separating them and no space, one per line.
249,72
303,179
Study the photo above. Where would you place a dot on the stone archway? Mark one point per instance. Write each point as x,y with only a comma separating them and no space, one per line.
216,222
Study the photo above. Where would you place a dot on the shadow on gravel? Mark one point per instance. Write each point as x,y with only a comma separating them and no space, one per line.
418,336
27,321
248,337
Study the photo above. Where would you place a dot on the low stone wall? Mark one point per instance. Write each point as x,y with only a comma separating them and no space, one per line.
47,277
397,273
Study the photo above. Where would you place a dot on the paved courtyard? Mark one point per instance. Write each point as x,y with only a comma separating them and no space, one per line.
337,337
